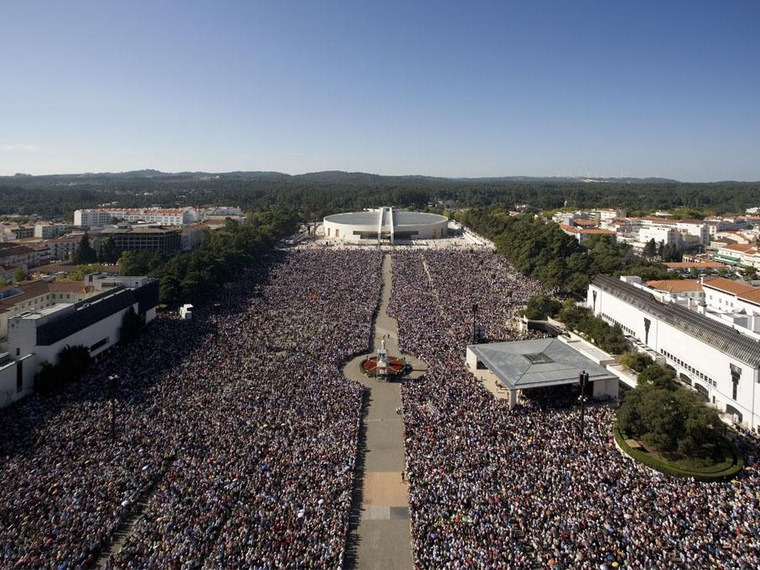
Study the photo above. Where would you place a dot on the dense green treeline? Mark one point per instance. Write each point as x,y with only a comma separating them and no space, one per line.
322,193
543,251
194,277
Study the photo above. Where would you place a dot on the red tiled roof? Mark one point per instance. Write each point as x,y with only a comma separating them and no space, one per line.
727,285
740,247
751,296
675,285
67,287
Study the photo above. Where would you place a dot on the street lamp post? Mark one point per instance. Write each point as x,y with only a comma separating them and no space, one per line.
114,379
474,323
583,381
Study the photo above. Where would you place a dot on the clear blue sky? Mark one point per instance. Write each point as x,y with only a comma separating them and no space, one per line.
470,88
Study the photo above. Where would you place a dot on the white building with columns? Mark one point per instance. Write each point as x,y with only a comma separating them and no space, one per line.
713,358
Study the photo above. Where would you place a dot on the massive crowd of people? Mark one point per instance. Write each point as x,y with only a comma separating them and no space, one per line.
237,431
237,437
494,488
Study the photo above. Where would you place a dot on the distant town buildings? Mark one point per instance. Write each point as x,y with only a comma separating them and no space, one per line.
104,216
731,240
168,231
99,217
49,230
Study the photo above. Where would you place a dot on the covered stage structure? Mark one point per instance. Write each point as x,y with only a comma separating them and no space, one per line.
543,363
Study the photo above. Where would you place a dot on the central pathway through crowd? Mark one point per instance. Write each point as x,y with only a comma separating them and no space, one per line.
380,534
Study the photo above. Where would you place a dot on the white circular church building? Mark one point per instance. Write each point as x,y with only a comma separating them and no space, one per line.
385,224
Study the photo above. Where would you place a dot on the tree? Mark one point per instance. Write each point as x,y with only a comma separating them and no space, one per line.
130,326
84,252
661,415
73,361
670,418
19,274
107,252
750,272
650,249
672,252
541,306
658,377
637,361
46,380
139,262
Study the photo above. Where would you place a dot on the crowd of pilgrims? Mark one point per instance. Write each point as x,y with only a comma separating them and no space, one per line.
494,488
236,434
236,439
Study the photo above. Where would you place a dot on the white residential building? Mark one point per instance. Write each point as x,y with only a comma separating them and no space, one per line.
664,235
48,230
734,302
34,295
92,218
160,216
738,254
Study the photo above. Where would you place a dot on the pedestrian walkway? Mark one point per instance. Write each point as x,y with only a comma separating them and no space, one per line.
380,534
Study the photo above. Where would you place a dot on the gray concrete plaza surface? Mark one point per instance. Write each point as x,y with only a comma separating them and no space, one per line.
380,535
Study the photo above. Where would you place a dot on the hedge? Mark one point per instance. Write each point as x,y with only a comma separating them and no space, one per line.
718,472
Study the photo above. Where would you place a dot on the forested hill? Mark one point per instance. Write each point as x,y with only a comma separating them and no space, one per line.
320,193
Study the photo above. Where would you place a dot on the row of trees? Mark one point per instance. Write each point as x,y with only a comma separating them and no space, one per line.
664,252
85,253
582,320
322,193
543,251
193,277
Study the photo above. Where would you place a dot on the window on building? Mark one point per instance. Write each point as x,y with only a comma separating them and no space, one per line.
736,373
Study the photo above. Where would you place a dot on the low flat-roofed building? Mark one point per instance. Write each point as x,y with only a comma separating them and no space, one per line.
164,240
39,335
543,363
